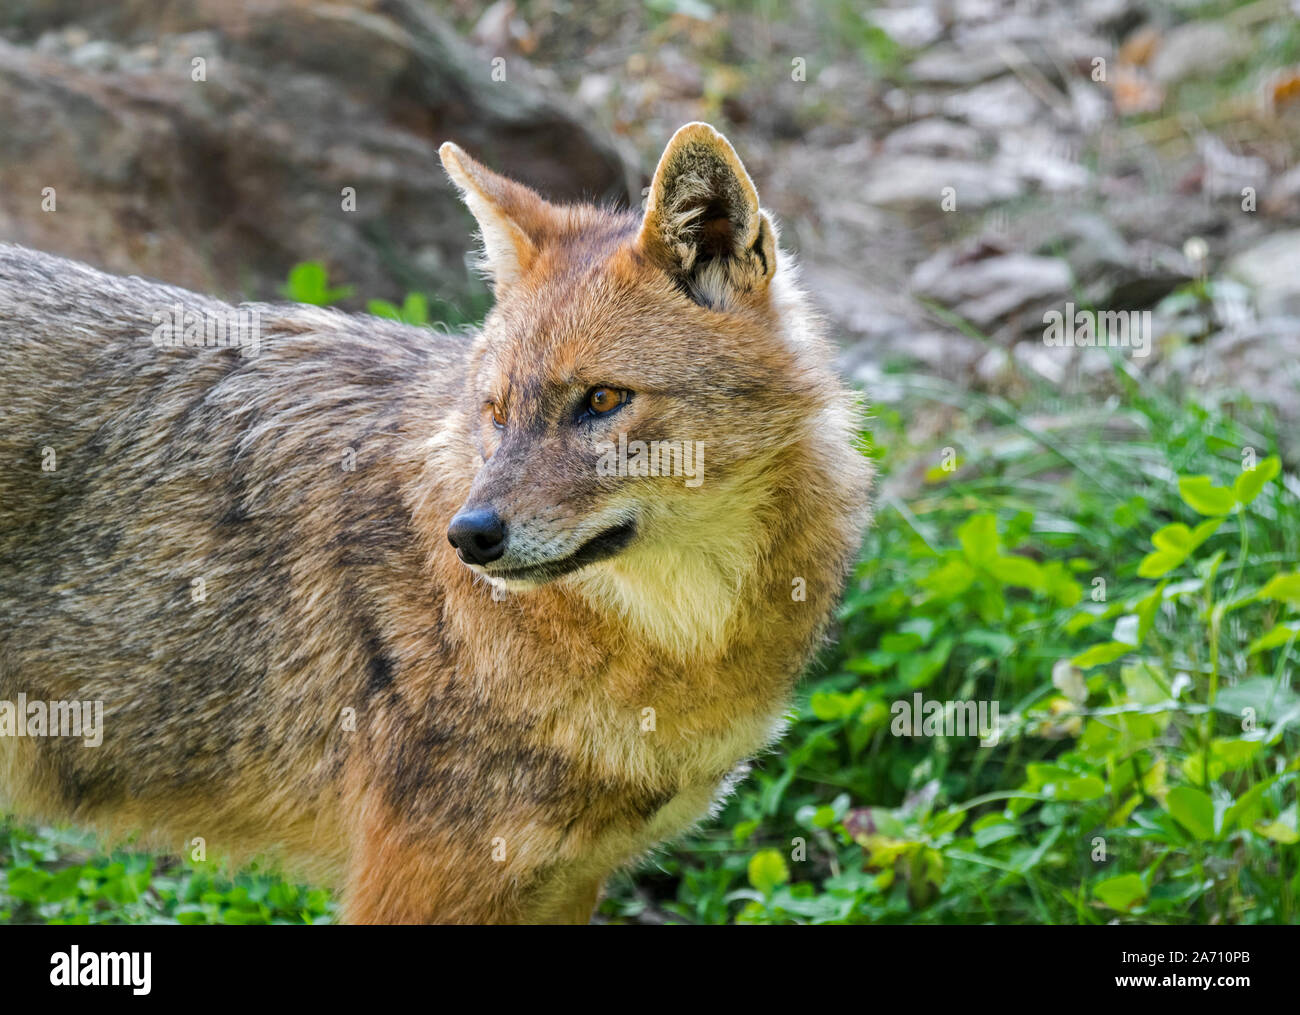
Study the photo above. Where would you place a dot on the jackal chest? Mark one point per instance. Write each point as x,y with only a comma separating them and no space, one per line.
676,770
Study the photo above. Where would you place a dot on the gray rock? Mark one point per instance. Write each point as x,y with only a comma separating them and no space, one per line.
988,291
1272,269
1043,160
1261,360
933,137
1226,173
1092,108
1050,363
995,106
1198,49
1284,193
950,65
1091,243
914,182
222,185
913,26
911,104
96,55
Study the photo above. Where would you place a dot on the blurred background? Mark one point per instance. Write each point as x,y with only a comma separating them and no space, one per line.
1085,145
947,173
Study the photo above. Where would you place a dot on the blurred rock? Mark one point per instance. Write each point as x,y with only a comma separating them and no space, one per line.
1272,270
1283,198
1091,110
1260,360
996,105
1043,160
947,64
1197,49
914,26
1224,172
988,289
1091,243
911,182
933,137
223,184
501,30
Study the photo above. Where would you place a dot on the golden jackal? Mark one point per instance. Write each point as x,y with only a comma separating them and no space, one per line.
458,623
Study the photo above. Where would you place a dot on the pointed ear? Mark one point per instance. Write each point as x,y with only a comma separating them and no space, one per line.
509,215
702,222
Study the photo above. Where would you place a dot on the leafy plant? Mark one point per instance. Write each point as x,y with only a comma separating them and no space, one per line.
308,282
1131,606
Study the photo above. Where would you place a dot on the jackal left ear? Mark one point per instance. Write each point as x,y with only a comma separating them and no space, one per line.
509,215
702,222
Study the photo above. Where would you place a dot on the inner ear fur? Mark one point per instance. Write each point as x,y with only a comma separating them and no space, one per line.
703,225
510,216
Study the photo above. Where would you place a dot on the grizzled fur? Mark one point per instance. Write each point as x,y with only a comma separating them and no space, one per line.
245,556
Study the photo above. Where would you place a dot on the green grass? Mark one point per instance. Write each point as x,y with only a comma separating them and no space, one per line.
62,877
1113,575
1146,769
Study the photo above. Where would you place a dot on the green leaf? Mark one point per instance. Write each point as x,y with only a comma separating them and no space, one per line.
1083,787
416,309
1284,829
1120,893
1058,584
995,643
994,831
1282,586
1275,637
1130,512
1204,531
900,643
767,870
1173,543
1252,481
1146,610
1159,563
1175,538
1061,783
979,538
1266,701
944,824
308,283
1203,497
1243,813
922,627
1089,614
919,668
950,580
1098,655
1235,752
1012,569
1192,809
831,705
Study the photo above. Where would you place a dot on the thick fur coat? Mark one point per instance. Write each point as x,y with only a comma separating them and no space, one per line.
243,553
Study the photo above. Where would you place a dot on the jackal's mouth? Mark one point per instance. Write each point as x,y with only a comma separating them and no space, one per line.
599,547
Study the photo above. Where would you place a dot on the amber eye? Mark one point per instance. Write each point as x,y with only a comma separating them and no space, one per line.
603,400
498,416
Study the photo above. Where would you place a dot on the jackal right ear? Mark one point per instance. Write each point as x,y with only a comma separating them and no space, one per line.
508,215
702,224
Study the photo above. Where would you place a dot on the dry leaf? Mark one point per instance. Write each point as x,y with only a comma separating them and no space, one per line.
1135,93
1139,47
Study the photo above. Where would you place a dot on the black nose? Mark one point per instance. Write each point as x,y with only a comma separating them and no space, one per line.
479,535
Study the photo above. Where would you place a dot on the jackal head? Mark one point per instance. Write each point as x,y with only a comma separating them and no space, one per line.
634,389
